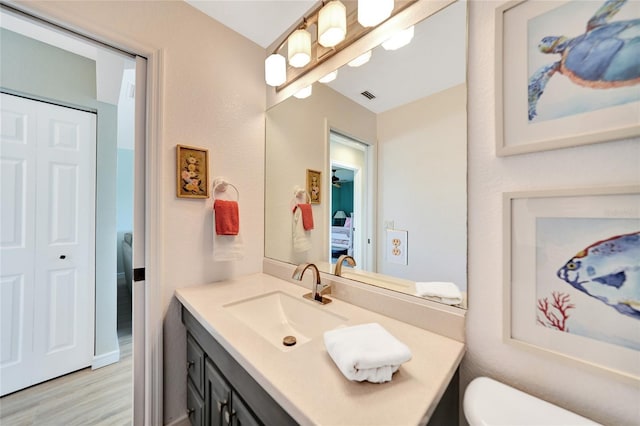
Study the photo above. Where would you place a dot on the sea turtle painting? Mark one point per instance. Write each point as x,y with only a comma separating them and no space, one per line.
606,56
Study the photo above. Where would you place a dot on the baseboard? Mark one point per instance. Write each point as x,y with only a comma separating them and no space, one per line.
103,360
181,421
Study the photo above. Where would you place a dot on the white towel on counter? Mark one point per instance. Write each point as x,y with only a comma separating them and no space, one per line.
301,241
366,352
445,292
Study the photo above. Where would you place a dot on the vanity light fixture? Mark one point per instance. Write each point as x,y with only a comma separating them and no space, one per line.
329,77
332,23
399,39
275,70
360,60
299,48
372,12
324,32
304,92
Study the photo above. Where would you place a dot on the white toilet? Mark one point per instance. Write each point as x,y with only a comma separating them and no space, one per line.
487,402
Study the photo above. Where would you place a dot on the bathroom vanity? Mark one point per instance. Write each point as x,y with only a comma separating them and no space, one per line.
239,371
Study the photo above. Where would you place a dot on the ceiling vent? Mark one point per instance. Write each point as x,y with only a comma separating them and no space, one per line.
368,95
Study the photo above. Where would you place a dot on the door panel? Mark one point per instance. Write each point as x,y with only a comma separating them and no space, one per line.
18,138
48,227
12,304
62,290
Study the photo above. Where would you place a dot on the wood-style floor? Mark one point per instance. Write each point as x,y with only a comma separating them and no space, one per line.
83,398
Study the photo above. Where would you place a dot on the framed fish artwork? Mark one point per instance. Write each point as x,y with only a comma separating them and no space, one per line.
567,73
572,276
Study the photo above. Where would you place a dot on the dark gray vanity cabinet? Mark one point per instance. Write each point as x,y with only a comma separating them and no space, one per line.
219,391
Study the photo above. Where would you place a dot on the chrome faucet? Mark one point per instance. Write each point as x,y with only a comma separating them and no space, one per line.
350,260
316,291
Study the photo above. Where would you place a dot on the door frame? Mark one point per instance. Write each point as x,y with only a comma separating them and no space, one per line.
149,375
366,182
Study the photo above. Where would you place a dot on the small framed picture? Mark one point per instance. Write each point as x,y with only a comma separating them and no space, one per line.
192,172
314,186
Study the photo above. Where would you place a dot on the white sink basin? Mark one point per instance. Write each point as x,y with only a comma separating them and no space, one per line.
273,316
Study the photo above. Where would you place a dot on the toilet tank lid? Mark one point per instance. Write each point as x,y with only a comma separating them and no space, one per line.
489,402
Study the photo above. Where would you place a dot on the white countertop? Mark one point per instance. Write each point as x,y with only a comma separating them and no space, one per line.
305,381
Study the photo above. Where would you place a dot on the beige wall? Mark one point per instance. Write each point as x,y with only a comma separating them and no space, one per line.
422,186
587,392
297,133
214,97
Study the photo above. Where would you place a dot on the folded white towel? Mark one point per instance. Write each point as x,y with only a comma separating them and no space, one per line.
366,352
448,293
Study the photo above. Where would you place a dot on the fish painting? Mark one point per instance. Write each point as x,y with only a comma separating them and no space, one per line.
609,271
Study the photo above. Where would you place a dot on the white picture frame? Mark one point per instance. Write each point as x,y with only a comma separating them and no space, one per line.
530,246
519,27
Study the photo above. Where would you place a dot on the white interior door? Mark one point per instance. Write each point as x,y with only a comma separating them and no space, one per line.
48,228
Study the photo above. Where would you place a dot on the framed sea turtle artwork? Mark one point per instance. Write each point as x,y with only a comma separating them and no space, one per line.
192,172
572,276
567,73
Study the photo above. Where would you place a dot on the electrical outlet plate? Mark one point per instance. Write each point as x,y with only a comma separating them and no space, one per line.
396,248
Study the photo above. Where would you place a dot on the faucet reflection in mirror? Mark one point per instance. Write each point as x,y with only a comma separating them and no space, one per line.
407,150
343,258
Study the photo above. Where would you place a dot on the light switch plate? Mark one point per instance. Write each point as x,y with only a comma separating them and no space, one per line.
396,247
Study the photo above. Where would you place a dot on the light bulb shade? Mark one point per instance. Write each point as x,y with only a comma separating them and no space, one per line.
332,24
372,12
299,48
275,70
360,60
399,40
329,77
303,93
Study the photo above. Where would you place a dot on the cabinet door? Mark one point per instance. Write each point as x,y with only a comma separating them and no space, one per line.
195,405
217,397
241,415
195,364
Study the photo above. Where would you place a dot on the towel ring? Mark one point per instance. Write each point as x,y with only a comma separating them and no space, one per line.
297,194
224,185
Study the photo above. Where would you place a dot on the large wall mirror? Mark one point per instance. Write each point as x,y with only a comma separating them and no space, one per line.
390,140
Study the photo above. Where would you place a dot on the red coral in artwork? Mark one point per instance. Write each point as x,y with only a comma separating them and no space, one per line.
560,304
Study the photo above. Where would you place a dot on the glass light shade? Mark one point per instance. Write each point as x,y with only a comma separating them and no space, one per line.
360,60
332,24
329,77
303,93
399,40
299,50
275,70
372,12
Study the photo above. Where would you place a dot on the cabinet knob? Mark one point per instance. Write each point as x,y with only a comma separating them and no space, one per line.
63,256
190,411
190,364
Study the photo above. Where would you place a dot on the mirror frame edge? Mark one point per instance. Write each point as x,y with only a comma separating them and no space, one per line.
410,16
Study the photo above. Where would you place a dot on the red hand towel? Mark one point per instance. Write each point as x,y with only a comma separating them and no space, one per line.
227,218
307,216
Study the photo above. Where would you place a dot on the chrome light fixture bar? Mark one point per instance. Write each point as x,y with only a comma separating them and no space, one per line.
324,18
